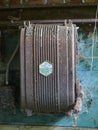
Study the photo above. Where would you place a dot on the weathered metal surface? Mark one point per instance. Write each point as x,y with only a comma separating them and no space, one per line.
47,12
29,69
56,92
22,68
72,41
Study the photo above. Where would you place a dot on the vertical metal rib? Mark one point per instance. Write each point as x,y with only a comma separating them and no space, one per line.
39,84
49,59
58,68
69,77
46,79
55,64
43,84
55,68
29,71
75,56
54,57
67,63
22,68
62,68
71,64
52,60
33,68
34,49
48,82
37,69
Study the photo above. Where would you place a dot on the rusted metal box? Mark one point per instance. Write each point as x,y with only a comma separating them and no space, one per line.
47,54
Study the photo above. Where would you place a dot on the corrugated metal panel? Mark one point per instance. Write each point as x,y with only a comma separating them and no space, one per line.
53,45
22,68
45,50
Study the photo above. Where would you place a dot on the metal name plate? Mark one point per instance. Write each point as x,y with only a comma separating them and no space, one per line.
46,68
